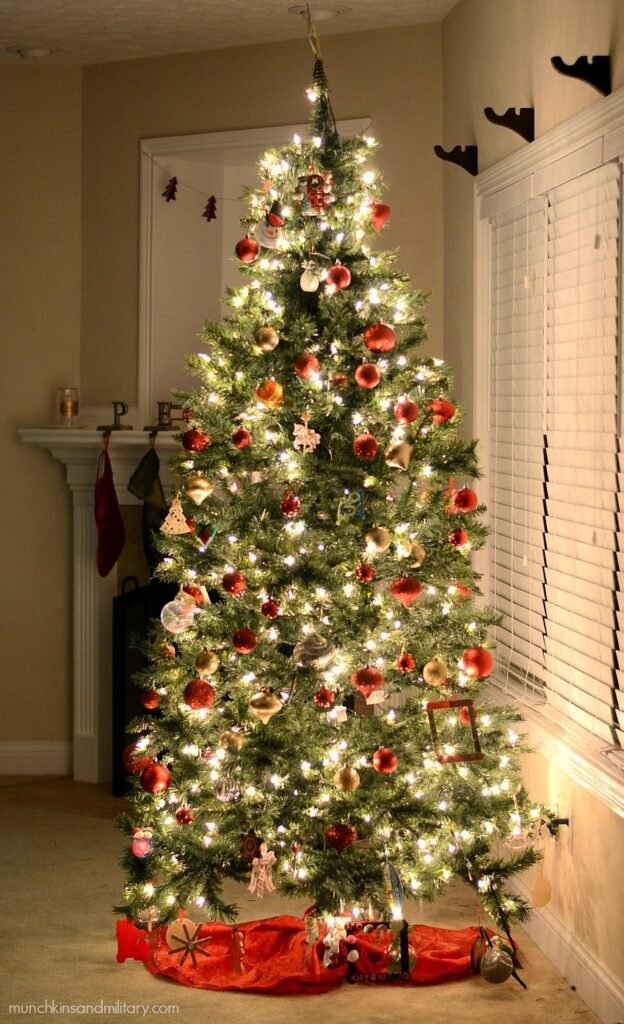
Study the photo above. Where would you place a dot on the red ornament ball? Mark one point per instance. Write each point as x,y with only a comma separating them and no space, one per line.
405,663
184,816
324,698
367,376
464,716
340,836
195,440
364,572
270,609
406,590
306,365
406,411
167,650
155,778
465,500
234,583
244,640
290,505
385,760
194,592
459,591
477,662
366,680
365,446
338,277
134,760
458,538
199,694
247,250
241,438
441,410
380,213
379,338
150,700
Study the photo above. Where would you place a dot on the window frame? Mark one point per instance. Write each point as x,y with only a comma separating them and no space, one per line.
585,142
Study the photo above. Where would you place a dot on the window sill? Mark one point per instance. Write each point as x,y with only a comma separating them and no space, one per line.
585,764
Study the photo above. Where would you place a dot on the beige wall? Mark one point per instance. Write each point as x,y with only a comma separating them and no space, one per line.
40,335
497,53
392,75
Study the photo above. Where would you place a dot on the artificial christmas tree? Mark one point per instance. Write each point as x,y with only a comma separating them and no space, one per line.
325,492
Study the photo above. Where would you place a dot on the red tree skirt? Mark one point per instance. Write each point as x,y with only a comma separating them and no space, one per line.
276,958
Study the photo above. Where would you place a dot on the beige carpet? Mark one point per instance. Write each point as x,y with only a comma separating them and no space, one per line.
60,877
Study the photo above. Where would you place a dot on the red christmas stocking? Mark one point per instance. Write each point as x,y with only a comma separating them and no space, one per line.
108,521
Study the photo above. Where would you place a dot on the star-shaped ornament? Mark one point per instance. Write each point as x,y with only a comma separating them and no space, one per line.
183,937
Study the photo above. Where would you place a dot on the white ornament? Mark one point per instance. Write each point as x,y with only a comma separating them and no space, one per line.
311,277
177,615
305,439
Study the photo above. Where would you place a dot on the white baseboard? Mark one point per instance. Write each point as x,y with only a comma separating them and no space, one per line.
35,757
596,985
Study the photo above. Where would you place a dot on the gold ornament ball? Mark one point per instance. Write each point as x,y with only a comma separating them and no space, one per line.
417,554
198,488
266,339
496,965
264,705
347,779
398,455
231,740
378,540
207,662
435,672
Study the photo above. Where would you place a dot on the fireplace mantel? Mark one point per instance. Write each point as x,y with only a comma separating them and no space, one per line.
79,450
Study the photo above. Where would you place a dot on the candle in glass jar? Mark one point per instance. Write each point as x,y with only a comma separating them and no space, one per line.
67,406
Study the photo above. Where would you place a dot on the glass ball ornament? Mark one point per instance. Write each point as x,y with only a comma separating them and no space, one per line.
177,615
266,338
142,843
270,394
306,365
340,835
244,640
226,790
406,411
385,761
441,410
365,446
338,277
241,438
379,337
155,778
477,662
367,376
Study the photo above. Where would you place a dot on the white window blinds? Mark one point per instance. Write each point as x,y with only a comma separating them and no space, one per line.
554,425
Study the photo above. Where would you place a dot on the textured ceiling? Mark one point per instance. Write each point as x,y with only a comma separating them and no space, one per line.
98,31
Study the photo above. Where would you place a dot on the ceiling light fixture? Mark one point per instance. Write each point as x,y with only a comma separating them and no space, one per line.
319,13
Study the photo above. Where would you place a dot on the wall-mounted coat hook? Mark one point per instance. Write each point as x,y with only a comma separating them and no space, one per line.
521,121
596,72
464,156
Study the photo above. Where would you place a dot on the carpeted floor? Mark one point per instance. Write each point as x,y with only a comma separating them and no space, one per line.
60,877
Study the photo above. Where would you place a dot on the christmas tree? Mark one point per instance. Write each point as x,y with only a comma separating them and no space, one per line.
314,710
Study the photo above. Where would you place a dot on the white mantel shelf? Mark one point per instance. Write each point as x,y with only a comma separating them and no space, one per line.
79,450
